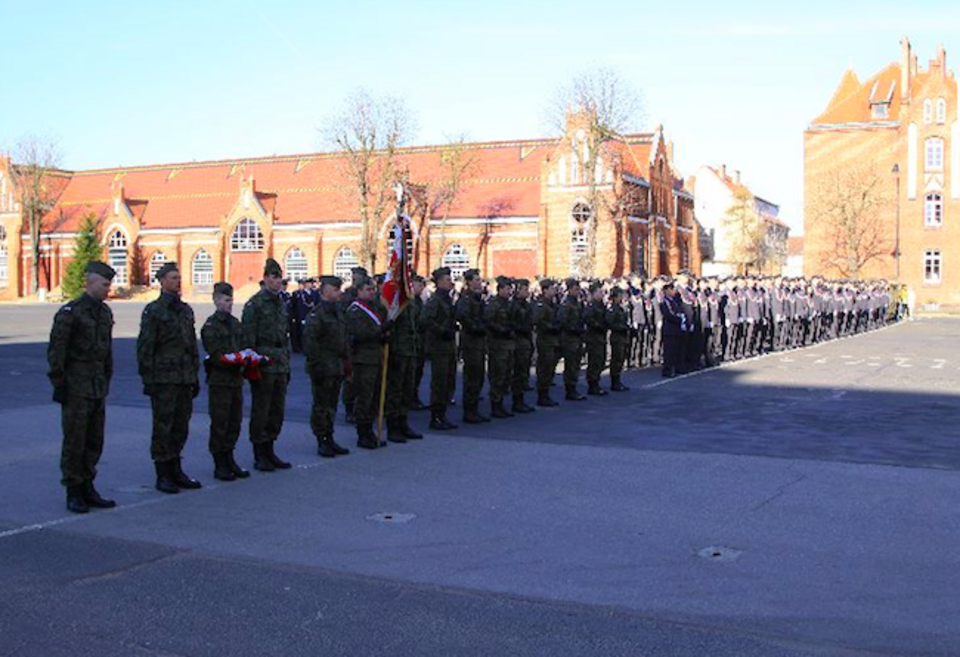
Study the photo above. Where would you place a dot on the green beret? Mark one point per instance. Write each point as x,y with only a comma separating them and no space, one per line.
333,281
272,268
165,269
223,288
547,282
101,269
471,274
440,272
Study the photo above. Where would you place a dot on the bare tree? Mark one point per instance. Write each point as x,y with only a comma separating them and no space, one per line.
368,130
607,108
849,206
34,161
748,243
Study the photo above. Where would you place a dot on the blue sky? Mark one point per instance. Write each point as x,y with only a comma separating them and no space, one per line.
123,83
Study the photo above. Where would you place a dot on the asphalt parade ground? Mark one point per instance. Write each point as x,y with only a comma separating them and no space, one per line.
805,503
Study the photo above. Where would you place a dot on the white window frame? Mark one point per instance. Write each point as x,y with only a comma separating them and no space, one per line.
933,210
932,267
927,111
157,261
246,236
295,264
941,110
117,257
933,149
343,262
457,258
203,274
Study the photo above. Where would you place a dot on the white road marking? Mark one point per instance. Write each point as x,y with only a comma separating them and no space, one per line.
855,362
939,364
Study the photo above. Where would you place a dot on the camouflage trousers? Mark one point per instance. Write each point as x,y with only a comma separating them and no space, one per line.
572,351
596,360
226,417
618,355
401,384
83,422
326,394
443,377
474,371
522,357
501,368
172,407
269,400
548,355
366,390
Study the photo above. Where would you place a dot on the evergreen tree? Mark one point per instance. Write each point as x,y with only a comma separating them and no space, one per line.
86,249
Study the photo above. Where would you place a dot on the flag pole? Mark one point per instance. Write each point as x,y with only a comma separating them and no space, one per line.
383,390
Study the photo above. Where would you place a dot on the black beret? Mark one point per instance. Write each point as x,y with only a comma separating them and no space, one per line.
547,282
521,282
417,278
272,268
101,269
572,282
223,288
504,281
440,272
471,274
334,281
361,271
165,269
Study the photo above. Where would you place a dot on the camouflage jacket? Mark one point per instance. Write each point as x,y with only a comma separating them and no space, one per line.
439,324
595,319
363,333
325,340
266,330
498,320
548,331
570,320
521,315
404,337
473,332
80,350
222,334
167,344
618,322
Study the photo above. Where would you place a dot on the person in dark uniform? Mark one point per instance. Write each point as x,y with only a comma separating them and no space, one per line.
548,341
298,313
222,338
416,306
674,329
357,274
169,365
570,321
325,344
401,375
80,356
523,320
367,331
618,324
595,322
473,345
498,320
440,330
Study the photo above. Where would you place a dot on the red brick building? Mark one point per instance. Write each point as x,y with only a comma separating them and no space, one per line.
519,212
902,120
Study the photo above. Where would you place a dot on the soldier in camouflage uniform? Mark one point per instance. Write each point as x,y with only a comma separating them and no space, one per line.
357,274
548,341
570,321
401,375
595,321
366,333
266,330
416,306
618,322
222,336
473,345
522,318
80,356
440,346
169,366
498,318
325,344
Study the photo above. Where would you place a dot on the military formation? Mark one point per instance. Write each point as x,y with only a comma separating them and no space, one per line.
500,331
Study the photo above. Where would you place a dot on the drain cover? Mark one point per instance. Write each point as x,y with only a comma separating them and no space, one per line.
394,518
720,553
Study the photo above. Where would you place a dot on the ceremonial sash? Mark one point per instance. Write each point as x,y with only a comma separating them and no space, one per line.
373,315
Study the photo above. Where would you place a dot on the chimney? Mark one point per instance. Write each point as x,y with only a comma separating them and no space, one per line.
942,59
906,69
736,176
723,171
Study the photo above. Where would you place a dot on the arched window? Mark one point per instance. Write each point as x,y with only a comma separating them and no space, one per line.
117,257
247,236
684,256
156,262
580,214
457,259
641,266
295,264
928,111
343,262
934,154
4,269
933,210
202,269
941,110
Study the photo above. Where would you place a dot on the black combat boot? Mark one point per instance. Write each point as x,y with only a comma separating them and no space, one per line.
394,434
351,418
337,449
278,462
617,385
520,406
237,471
471,416
543,399
180,478
75,501
408,431
367,439
450,425
595,389
165,483
261,458
436,421
498,411
222,469
573,395
94,500
419,405
324,449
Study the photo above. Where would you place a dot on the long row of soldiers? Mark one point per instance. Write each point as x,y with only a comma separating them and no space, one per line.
683,325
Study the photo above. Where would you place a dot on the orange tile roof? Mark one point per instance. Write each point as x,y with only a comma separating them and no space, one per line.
852,105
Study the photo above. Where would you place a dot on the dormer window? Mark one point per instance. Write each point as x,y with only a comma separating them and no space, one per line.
880,110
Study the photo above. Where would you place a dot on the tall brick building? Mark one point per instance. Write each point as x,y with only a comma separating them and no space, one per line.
521,211
903,121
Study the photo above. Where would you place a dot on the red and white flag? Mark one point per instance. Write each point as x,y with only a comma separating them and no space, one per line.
397,285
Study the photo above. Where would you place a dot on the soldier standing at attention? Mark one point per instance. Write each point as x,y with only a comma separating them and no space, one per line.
548,341
169,366
80,355
357,275
473,345
440,331
416,306
595,320
401,375
570,320
366,333
325,344
266,330
674,329
619,324
222,337
522,344
498,319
